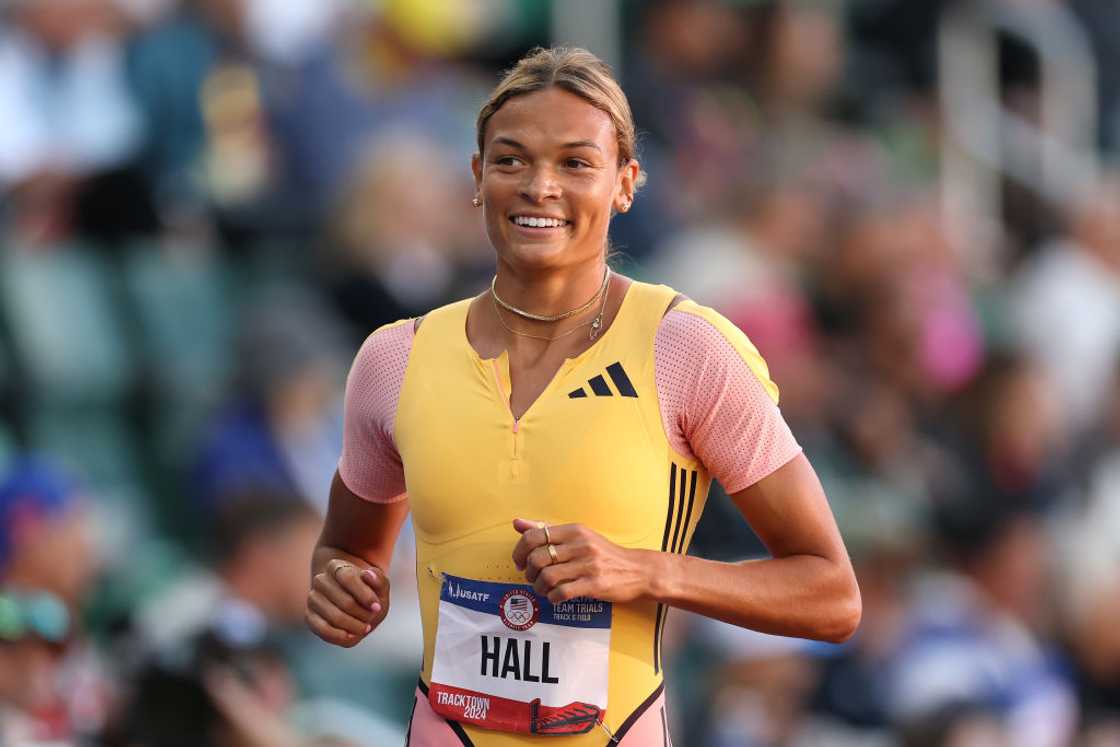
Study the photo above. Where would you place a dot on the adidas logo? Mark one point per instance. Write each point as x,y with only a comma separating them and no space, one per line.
600,388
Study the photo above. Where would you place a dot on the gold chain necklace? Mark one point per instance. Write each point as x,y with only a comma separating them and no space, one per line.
596,323
557,317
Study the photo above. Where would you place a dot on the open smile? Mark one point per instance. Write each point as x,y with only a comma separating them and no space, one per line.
537,225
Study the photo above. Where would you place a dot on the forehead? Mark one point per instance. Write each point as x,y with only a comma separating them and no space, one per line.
552,117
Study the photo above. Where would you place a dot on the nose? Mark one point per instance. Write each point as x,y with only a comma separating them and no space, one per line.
540,184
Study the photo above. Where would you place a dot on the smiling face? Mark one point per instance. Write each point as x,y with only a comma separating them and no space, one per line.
549,178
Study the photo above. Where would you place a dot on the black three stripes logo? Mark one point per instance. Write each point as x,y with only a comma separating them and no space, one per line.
678,519
600,388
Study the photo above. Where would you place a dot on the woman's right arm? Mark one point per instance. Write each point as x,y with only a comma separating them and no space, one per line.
349,594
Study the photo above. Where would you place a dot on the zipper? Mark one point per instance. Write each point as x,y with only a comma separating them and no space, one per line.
505,400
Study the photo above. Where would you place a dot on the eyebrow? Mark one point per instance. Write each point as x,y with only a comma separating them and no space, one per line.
502,140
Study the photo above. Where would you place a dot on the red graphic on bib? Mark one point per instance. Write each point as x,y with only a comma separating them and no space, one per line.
518,610
492,712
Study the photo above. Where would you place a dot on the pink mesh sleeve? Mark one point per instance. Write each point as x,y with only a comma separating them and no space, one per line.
714,406
370,465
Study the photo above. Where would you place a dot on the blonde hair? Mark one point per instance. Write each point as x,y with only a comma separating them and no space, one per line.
576,71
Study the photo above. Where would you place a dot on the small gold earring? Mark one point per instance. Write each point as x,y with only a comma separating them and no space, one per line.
476,202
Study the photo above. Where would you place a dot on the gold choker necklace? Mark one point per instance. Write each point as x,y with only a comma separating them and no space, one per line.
596,323
558,317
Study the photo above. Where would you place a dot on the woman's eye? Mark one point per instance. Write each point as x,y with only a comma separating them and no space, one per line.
575,163
506,160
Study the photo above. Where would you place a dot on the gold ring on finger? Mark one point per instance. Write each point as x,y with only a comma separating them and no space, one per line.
552,553
547,536
338,567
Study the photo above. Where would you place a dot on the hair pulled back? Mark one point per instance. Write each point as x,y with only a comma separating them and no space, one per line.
576,71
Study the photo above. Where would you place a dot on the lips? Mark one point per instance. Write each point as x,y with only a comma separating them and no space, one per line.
538,222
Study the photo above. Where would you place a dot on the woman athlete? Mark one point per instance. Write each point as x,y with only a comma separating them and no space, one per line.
554,439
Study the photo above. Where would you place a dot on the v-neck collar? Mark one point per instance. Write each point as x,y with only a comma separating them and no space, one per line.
497,368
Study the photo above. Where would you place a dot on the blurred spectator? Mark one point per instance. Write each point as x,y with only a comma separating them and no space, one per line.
761,689
233,636
34,627
1090,582
226,694
973,635
1065,303
46,538
221,693
801,54
281,430
393,256
894,297
261,547
47,545
1014,437
68,114
392,69
198,86
206,81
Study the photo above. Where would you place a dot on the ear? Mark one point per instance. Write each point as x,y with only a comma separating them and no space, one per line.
627,180
476,167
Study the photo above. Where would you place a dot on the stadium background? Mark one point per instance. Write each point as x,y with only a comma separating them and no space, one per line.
908,206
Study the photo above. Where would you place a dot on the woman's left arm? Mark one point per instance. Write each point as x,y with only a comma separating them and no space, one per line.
806,589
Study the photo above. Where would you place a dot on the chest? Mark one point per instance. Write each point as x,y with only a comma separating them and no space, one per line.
526,381
586,445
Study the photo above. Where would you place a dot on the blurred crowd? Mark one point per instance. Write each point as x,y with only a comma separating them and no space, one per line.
207,204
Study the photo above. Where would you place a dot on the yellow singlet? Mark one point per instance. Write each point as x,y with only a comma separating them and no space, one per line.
591,450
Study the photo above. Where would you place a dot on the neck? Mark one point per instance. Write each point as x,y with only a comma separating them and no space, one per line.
549,294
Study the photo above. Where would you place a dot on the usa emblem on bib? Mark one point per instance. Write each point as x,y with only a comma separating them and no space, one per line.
510,660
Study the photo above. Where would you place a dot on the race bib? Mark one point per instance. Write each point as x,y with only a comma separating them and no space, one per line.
510,660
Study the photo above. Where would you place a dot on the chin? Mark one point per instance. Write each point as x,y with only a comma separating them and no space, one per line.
540,255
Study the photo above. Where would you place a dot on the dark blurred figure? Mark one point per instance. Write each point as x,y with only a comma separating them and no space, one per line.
222,694
281,429
218,668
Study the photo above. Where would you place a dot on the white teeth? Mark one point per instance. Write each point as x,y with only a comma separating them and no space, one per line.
522,220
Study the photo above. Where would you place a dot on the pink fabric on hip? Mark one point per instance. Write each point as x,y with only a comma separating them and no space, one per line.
428,729
713,406
370,465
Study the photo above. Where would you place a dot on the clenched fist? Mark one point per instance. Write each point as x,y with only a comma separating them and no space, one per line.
347,602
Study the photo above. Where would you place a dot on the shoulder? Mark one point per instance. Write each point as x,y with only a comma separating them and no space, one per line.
389,336
385,351
702,336
454,310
